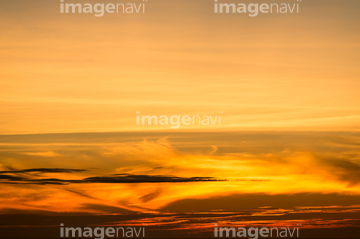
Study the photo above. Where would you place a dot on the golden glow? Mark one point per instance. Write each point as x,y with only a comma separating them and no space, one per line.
78,73
286,152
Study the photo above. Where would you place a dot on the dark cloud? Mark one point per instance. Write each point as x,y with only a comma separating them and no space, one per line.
240,210
25,178
45,170
151,196
343,169
20,180
117,178
11,178
245,202
124,178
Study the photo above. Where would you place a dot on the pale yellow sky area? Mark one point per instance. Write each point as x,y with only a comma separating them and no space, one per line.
79,73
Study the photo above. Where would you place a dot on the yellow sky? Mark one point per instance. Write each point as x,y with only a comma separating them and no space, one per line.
78,73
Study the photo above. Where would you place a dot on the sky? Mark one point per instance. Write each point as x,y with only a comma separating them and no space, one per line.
78,73
181,184
286,152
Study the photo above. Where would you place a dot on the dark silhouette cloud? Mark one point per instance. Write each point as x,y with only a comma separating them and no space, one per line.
45,170
117,178
257,201
124,178
11,178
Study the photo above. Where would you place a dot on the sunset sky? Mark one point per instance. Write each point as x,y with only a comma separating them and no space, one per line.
287,150
79,73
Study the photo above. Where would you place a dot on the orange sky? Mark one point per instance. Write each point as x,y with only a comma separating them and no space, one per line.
79,73
273,179
270,163
287,150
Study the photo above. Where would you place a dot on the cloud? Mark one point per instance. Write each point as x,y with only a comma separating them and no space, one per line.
343,169
11,178
245,202
45,170
117,178
122,178
106,208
